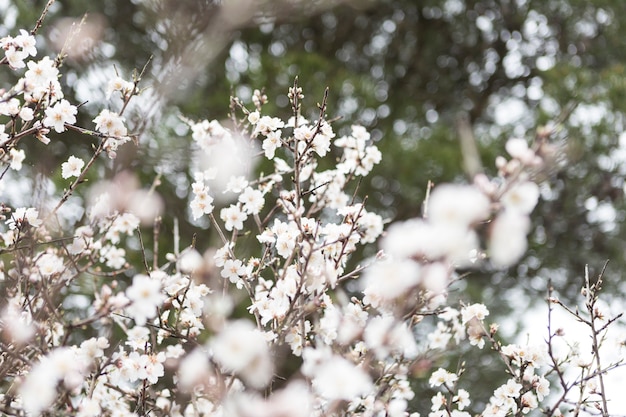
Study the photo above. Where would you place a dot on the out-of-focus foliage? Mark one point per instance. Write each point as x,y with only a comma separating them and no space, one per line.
408,70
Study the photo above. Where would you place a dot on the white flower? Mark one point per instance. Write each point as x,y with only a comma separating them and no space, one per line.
521,197
478,311
26,114
38,390
438,401
386,337
252,200
321,144
266,124
542,387
461,399
507,238
17,157
3,136
242,349
194,370
17,322
202,202
29,215
254,117
61,113
110,123
121,85
15,57
233,270
511,388
271,143
441,377
113,256
236,184
518,149
145,296
391,279
233,217
49,264
339,379
27,42
461,205
72,168
41,73
529,402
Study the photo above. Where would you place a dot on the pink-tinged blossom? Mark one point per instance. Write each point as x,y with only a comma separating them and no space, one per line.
72,168
458,205
511,389
145,296
92,349
507,238
60,114
242,349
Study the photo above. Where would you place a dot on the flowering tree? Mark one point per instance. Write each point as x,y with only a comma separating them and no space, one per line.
279,319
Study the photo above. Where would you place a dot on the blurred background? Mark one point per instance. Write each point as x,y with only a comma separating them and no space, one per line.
415,73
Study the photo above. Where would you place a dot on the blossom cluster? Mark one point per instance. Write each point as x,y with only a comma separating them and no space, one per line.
92,323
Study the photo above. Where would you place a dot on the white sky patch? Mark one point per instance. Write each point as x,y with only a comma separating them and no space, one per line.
588,114
618,155
10,17
484,24
577,334
602,213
